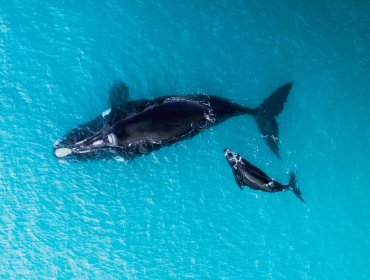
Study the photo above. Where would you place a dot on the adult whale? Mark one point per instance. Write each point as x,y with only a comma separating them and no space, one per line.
132,128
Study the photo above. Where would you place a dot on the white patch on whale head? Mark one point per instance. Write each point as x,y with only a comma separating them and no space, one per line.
62,152
232,158
84,151
97,143
112,138
106,112
80,142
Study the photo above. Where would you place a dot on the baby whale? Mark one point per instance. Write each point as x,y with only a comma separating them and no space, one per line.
132,128
246,174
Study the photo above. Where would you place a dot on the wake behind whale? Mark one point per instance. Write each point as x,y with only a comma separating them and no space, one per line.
133,128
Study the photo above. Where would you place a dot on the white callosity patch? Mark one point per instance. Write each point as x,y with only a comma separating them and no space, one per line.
62,152
80,142
112,138
97,143
234,158
106,112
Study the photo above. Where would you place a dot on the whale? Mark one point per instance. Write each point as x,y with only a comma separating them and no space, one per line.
130,128
246,174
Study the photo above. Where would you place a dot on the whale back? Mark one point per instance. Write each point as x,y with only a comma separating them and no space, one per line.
162,123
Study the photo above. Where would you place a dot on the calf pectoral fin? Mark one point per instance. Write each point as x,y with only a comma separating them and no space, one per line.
239,180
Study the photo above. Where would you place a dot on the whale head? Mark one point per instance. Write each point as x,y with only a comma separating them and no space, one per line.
89,147
232,157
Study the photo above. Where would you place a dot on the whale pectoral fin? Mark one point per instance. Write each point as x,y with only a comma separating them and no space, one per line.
118,98
118,95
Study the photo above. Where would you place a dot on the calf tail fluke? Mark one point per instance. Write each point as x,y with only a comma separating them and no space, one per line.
265,115
293,186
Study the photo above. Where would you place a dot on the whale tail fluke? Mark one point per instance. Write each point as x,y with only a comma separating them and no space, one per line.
293,186
265,115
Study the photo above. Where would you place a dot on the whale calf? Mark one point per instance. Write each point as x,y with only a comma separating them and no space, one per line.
246,174
132,128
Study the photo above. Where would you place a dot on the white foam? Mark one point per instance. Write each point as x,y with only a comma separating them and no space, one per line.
62,152
56,143
120,159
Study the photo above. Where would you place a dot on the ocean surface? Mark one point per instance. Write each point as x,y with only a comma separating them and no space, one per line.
178,213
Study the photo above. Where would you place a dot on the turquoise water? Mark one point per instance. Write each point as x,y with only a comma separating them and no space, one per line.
178,213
